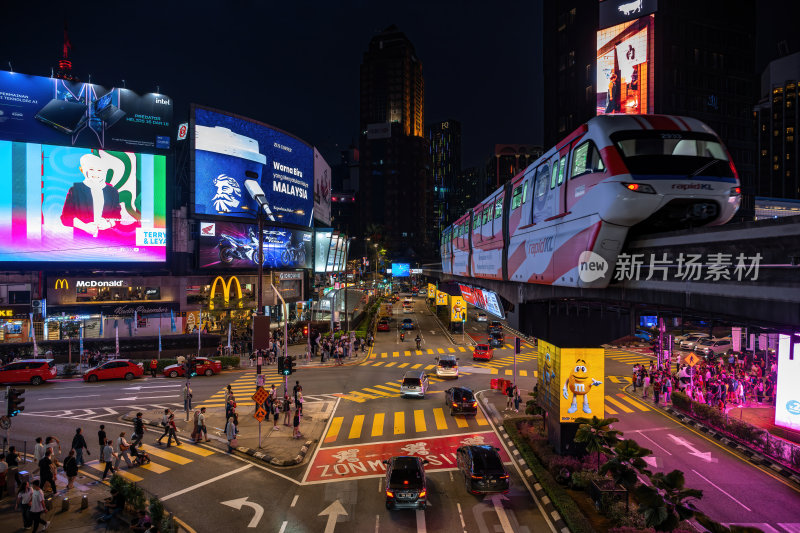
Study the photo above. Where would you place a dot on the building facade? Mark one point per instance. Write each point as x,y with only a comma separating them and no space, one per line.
444,139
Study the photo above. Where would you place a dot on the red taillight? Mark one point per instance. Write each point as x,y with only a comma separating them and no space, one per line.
405,482
504,476
389,494
633,186
455,404
422,494
477,477
474,404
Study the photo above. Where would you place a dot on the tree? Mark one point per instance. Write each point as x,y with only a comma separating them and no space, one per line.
626,463
596,435
667,502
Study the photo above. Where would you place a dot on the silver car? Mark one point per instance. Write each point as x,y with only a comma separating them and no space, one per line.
415,383
713,347
689,342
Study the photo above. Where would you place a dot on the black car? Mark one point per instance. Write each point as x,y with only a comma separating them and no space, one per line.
496,340
405,482
483,469
460,400
494,327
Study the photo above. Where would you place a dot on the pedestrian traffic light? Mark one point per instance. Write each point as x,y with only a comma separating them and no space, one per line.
280,365
16,401
288,365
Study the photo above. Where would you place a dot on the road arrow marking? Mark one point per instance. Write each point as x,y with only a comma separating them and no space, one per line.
705,456
650,460
140,387
237,504
497,502
333,511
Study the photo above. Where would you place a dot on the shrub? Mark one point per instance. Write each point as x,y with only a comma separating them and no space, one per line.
745,431
228,361
589,462
681,401
583,478
558,463
156,509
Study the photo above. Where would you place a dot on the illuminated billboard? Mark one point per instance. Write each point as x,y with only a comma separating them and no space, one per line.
441,298
55,111
60,203
401,270
571,381
431,291
787,397
322,189
458,309
232,245
625,76
229,148
322,245
483,299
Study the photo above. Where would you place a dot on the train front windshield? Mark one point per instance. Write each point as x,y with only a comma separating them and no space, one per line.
686,154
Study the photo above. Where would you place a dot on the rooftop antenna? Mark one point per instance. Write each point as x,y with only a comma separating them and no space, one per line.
123,84
158,89
64,71
10,67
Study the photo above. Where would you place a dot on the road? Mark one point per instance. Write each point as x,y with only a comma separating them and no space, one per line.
336,488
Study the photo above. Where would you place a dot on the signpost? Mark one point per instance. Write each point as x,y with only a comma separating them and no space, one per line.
692,359
259,397
517,349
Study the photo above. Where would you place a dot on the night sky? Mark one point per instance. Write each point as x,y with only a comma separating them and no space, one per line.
295,65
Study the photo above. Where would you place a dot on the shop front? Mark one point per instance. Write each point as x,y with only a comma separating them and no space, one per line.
15,323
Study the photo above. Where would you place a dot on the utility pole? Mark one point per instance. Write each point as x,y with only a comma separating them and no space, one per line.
285,335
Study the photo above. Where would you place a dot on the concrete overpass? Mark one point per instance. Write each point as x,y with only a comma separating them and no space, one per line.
747,273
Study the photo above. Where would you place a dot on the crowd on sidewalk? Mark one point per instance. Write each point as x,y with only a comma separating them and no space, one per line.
327,347
725,382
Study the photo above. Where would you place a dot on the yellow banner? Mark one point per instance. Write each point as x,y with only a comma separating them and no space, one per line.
458,309
431,291
549,371
581,382
441,298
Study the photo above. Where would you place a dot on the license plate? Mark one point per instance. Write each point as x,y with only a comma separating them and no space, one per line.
493,482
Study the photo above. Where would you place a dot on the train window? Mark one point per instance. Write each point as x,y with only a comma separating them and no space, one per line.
586,160
498,207
487,214
562,170
541,181
516,197
525,192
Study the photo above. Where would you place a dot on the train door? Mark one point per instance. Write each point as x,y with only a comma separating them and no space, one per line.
563,162
587,170
545,197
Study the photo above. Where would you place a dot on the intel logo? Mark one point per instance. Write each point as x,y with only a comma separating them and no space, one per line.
164,101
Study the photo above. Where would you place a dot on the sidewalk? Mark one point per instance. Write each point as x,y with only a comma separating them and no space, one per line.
276,447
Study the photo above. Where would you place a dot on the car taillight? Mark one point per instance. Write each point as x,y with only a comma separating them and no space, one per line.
476,477
422,494
505,476
455,404
389,494
474,404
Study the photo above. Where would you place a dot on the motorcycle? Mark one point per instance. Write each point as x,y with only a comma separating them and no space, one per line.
419,342
294,254
231,249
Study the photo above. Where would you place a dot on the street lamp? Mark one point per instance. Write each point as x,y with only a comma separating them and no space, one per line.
258,195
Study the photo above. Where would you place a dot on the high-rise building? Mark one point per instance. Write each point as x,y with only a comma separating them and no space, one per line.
470,188
395,181
508,161
777,119
680,57
444,139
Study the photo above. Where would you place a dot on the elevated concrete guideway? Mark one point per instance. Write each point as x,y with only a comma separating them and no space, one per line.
747,272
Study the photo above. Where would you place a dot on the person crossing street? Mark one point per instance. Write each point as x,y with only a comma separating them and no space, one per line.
79,444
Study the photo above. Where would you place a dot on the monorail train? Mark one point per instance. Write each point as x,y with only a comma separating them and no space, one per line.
565,218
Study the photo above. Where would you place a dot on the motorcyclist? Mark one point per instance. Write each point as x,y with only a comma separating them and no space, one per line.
418,341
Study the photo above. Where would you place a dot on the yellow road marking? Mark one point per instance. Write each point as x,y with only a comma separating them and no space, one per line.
154,467
407,352
418,352
384,387
403,365
451,350
333,431
399,423
197,450
430,351
440,350
625,408
395,354
481,419
377,425
378,363
438,416
417,365
378,392
462,349
610,411
120,472
509,372
523,373
355,429
419,421
429,367
158,452
461,421
640,406
390,364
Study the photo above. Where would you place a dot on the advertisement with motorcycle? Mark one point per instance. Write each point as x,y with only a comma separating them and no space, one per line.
230,245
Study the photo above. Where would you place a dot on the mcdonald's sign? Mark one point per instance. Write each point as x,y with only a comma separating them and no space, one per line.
226,290
61,283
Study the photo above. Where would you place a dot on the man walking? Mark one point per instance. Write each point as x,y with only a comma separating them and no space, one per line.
165,425
107,455
79,444
138,430
187,398
201,426
122,451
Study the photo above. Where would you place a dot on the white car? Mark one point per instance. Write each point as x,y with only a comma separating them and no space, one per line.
689,342
677,339
482,317
447,366
408,308
712,347
415,383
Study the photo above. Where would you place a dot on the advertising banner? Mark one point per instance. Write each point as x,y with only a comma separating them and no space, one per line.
483,299
441,298
60,203
226,147
322,189
56,111
549,365
787,402
625,60
401,270
232,245
458,309
322,246
571,381
431,291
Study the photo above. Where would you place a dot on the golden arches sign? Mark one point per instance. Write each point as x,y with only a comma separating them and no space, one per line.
226,290
61,283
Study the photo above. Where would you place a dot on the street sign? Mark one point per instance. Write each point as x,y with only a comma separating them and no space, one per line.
692,359
260,396
260,414
517,345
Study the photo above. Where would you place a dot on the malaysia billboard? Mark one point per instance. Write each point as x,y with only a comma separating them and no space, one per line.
483,299
66,204
55,111
322,189
625,67
571,381
229,148
233,245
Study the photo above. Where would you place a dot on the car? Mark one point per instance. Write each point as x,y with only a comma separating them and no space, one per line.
496,340
114,369
405,482
205,366
447,366
644,335
33,371
408,308
677,339
483,469
423,293
713,347
415,383
394,299
689,342
482,352
408,323
494,327
408,300
383,324
482,317
461,400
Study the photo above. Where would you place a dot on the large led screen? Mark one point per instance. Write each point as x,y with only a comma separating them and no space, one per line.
321,247
401,270
227,148
56,111
571,381
59,203
625,67
483,299
787,397
322,189
225,245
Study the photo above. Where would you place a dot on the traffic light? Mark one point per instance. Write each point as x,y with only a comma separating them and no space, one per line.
193,368
16,401
288,365
305,331
281,366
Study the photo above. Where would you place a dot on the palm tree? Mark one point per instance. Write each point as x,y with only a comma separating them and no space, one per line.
626,463
596,435
667,502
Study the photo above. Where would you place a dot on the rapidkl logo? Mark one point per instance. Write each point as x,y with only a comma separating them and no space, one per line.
591,266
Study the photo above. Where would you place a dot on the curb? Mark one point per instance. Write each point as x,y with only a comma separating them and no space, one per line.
752,456
528,338
249,452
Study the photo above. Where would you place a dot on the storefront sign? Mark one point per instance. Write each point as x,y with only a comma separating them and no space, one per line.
14,312
289,275
122,310
100,283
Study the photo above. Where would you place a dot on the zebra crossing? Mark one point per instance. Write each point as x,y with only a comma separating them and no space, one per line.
244,387
437,351
627,358
162,460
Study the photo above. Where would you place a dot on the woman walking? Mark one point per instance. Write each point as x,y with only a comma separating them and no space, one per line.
38,507
24,495
230,433
71,468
